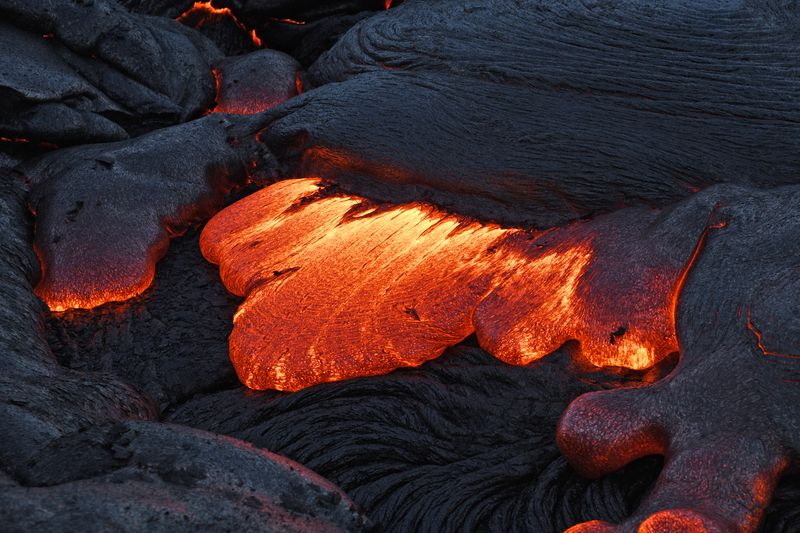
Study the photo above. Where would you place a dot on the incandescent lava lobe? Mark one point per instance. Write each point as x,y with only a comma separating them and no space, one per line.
725,418
338,287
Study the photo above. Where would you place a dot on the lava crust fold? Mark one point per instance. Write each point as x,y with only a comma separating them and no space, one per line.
337,287
105,213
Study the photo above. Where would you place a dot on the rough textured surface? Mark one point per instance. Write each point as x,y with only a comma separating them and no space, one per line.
66,81
105,213
424,449
138,475
256,82
67,463
39,400
158,341
725,418
485,107
540,112
222,27
166,8
301,10
307,39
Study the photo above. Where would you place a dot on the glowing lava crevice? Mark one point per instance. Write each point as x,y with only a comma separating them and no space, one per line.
201,13
760,341
337,287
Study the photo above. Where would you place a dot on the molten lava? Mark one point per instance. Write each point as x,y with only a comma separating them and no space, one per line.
337,287
202,13
760,341
117,276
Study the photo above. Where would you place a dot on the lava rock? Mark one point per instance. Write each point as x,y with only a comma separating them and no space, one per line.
143,476
79,72
255,82
535,113
222,27
39,400
105,213
171,341
164,8
725,418
300,10
425,449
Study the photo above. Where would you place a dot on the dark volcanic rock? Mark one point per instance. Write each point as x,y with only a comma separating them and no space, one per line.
77,72
307,40
726,418
105,213
165,8
72,467
222,27
255,82
300,10
462,443
40,401
171,342
536,113
139,476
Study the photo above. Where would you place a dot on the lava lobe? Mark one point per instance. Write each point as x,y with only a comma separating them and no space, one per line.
338,287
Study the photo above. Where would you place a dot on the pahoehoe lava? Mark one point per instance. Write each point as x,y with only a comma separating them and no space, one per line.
605,194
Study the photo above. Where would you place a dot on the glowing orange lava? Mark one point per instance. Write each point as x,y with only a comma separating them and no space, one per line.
118,278
337,287
760,341
333,286
203,12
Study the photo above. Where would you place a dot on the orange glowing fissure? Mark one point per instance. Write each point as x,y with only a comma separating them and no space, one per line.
336,287
760,341
204,9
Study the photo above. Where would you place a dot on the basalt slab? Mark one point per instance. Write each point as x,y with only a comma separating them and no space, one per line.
171,478
255,82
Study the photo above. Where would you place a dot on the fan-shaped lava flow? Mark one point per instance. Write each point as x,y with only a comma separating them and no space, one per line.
610,283
120,274
337,287
105,213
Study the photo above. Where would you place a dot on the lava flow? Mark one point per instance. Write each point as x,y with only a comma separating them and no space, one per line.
203,13
337,287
